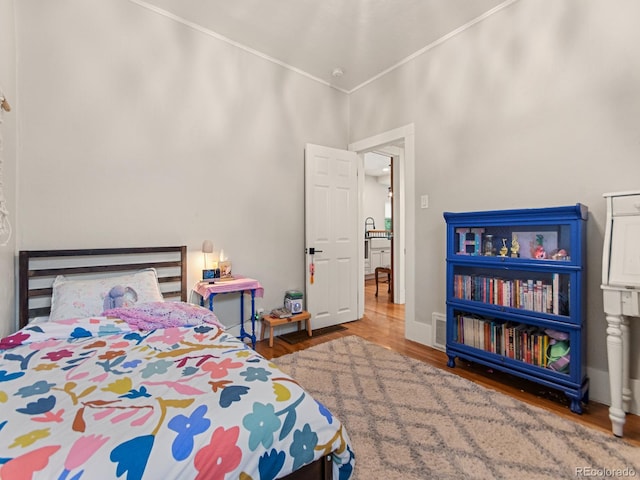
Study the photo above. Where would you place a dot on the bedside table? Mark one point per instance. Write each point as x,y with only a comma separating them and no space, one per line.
239,285
269,321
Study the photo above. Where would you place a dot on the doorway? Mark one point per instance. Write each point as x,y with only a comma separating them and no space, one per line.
377,208
400,144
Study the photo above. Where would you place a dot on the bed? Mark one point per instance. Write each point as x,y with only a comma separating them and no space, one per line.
151,386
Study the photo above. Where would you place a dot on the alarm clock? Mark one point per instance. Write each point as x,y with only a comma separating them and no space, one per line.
293,301
210,274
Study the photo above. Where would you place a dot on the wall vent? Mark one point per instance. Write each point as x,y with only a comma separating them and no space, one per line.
439,329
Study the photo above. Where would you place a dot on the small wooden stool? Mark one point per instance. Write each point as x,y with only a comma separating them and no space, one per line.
268,320
383,270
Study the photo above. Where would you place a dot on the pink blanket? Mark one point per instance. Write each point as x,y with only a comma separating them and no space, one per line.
153,315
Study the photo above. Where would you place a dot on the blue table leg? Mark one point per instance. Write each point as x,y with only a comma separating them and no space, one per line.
242,331
253,319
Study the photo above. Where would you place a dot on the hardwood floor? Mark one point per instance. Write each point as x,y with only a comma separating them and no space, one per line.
383,323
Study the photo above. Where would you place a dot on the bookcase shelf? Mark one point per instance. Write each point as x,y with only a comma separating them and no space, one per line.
515,294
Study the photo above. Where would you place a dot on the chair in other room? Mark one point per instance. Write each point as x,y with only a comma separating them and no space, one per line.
382,270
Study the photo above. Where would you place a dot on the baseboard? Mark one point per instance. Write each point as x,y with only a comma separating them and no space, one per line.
599,389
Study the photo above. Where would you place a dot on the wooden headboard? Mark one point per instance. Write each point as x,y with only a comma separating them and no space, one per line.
39,268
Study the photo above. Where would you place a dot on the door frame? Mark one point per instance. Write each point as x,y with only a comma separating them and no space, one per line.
404,246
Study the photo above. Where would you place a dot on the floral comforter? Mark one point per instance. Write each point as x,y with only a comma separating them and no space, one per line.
95,398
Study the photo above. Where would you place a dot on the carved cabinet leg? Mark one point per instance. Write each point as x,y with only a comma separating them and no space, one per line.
615,358
626,389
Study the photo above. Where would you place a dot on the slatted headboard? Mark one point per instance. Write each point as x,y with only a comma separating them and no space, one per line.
39,268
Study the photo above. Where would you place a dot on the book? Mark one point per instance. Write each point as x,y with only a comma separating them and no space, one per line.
223,279
556,294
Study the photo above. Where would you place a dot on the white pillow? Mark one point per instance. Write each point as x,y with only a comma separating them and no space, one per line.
36,320
87,298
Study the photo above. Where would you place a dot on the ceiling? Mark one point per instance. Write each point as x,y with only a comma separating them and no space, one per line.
378,165
363,38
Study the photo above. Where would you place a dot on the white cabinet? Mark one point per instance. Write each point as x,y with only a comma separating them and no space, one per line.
380,257
375,259
377,254
385,256
367,266
367,257
621,292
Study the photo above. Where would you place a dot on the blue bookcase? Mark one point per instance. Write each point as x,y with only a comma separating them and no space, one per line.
515,294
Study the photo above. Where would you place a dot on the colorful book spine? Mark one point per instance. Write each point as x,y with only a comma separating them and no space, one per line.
556,294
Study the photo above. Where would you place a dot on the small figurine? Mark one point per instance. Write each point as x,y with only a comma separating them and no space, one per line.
488,245
537,249
515,246
503,248
560,254
539,253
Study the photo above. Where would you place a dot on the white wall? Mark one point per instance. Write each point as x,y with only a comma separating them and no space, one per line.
536,106
8,167
374,197
137,130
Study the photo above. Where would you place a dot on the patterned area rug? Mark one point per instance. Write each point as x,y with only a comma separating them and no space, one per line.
408,420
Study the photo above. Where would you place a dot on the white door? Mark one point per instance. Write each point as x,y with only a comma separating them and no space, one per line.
331,229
